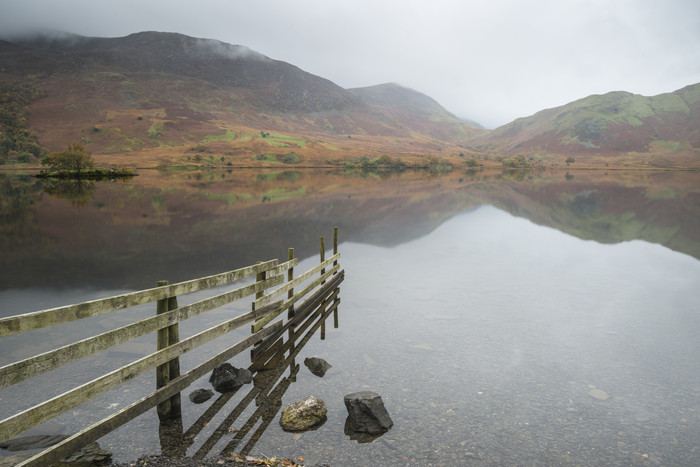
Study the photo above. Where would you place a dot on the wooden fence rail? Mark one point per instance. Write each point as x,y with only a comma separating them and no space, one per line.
270,284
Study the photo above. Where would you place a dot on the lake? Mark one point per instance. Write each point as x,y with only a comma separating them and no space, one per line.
546,318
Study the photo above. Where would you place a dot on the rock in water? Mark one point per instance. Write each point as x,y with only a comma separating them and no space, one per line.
302,415
227,377
201,395
366,412
244,376
598,394
317,366
91,455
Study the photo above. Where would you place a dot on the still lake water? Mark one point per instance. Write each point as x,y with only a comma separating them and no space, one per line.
527,319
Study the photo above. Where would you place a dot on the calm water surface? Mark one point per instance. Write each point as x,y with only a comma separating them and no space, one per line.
503,321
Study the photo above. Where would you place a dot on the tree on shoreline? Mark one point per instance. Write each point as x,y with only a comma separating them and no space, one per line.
74,159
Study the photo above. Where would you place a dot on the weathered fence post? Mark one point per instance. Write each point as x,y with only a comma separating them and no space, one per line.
335,244
323,256
290,277
290,295
260,277
335,263
174,364
323,271
169,409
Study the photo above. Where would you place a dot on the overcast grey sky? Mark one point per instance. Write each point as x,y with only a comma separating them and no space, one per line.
489,60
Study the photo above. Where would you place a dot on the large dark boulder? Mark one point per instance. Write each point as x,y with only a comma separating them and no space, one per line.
317,366
366,412
226,377
303,415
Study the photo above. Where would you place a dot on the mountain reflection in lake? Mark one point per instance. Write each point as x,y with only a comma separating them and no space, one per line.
492,340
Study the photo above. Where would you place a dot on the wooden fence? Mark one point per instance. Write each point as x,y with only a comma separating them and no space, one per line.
319,286
269,363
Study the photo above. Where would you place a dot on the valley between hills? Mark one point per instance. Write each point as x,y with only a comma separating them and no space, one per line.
156,99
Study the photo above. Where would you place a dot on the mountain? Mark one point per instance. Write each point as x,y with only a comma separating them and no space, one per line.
279,85
402,107
155,90
611,124
155,98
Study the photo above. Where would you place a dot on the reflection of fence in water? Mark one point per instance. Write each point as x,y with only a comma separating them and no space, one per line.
265,342
269,362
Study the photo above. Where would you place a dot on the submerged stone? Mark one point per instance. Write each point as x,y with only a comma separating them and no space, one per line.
598,394
317,366
201,395
91,455
303,415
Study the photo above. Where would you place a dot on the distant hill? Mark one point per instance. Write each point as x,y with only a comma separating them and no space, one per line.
611,124
159,90
408,110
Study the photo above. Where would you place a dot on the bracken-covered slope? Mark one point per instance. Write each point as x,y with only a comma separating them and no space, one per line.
610,124
154,89
150,98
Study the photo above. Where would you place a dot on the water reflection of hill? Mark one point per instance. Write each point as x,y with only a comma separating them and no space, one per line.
657,207
179,225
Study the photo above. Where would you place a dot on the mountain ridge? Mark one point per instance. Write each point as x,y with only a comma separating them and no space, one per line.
150,92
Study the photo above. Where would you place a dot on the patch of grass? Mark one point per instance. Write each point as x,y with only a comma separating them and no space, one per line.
155,131
123,142
228,136
661,145
669,103
230,198
290,158
267,158
247,136
276,139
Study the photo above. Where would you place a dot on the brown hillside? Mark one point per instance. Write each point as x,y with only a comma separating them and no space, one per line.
156,98
151,97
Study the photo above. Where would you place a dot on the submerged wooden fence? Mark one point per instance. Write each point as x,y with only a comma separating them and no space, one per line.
269,286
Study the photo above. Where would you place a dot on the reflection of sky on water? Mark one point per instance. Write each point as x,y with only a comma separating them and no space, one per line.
492,326
486,339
